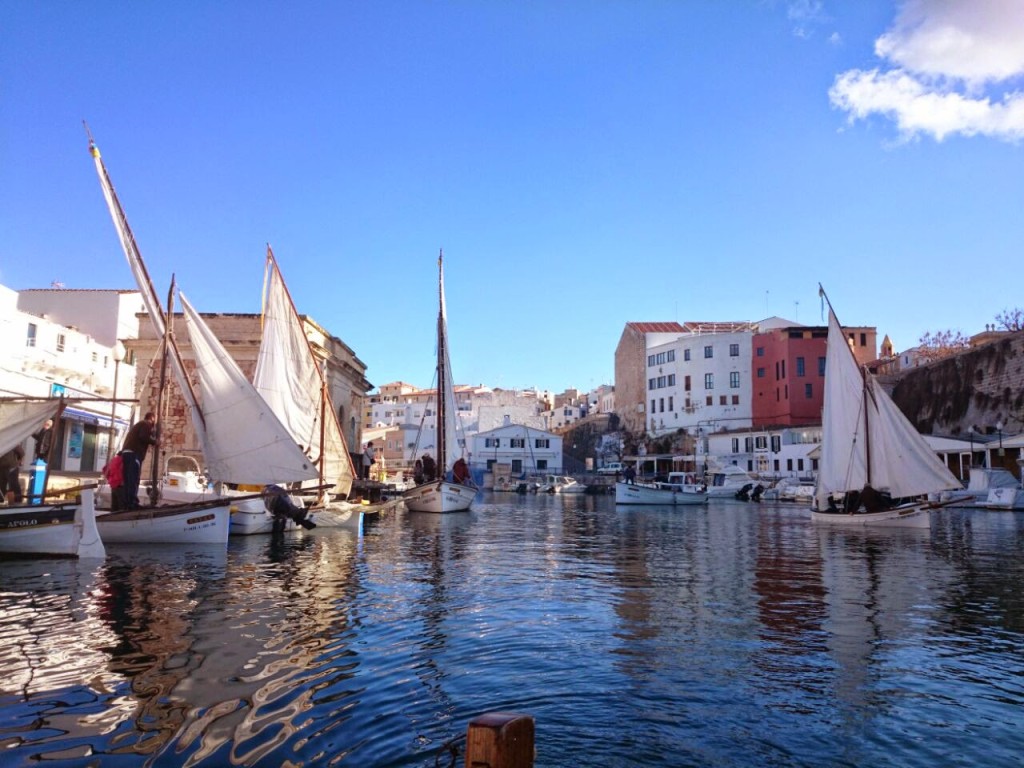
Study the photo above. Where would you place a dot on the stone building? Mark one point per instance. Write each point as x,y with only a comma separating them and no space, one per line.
240,334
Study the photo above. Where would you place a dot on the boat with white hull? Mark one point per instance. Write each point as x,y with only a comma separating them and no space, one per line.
724,482
66,529
668,494
875,468
439,494
190,523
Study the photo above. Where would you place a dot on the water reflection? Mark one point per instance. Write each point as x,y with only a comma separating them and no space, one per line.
730,635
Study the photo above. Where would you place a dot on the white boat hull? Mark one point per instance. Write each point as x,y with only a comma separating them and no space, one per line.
439,497
640,493
1005,499
205,523
904,516
62,530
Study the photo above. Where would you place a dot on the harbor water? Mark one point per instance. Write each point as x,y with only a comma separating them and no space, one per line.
728,635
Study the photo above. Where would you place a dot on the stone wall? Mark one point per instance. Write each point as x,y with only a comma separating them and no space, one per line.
975,388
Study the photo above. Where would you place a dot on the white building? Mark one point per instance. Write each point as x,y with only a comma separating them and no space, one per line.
526,450
769,453
701,377
63,342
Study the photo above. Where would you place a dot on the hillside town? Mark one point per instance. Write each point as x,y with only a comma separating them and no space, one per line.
686,396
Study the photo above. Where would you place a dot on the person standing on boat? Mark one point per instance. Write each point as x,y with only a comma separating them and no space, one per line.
10,482
630,475
136,443
460,472
369,459
429,468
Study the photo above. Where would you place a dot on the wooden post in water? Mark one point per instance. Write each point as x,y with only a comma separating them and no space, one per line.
500,740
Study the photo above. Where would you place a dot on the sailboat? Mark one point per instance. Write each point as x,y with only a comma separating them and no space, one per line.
290,378
63,529
439,494
243,442
875,468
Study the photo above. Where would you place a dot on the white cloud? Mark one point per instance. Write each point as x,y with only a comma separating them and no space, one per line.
950,68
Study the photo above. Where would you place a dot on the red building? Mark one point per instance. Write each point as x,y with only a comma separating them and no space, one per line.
789,372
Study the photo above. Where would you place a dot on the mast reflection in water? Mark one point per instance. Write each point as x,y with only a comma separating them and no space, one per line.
734,635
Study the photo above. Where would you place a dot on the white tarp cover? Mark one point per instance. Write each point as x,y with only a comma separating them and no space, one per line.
290,381
19,420
902,462
245,441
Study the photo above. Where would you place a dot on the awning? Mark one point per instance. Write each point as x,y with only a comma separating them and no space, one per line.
88,417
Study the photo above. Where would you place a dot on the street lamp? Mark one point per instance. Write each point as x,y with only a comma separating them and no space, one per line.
119,352
999,429
970,435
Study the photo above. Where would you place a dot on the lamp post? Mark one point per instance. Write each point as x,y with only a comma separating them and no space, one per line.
970,435
119,352
999,429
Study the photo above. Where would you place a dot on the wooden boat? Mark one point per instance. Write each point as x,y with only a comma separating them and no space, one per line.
875,468
441,495
243,441
37,528
204,522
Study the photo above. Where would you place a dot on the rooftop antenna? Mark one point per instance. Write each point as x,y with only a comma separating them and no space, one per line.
796,305
766,313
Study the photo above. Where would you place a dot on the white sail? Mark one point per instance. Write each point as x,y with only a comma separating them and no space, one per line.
446,389
290,380
244,442
866,439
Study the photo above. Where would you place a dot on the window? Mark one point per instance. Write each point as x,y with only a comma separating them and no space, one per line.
95,357
821,366
734,380
650,360
492,442
863,339
709,351
735,399
776,443
789,465
542,442
671,379
517,466
709,381
735,445
61,342
517,442
542,464
709,400
760,351
799,366
670,402
723,399
671,356
809,391
761,442
686,383
652,406
661,405
686,354
748,444
30,339
650,383
760,373
661,382
799,465
734,350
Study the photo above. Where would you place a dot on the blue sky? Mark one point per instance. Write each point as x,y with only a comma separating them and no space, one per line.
583,164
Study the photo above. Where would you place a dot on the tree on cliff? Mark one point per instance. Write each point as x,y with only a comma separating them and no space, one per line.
1011,319
935,346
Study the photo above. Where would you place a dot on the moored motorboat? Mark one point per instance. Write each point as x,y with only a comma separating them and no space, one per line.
679,490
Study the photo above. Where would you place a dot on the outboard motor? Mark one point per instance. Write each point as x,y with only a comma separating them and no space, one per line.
758,490
279,504
743,494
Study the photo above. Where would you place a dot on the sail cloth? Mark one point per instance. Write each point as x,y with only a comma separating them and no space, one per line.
861,423
291,382
244,441
446,387
20,419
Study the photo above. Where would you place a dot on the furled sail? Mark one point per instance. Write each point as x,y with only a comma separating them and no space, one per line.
292,383
19,419
244,441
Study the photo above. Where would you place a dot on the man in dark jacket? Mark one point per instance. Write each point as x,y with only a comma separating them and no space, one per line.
43,438
142,435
